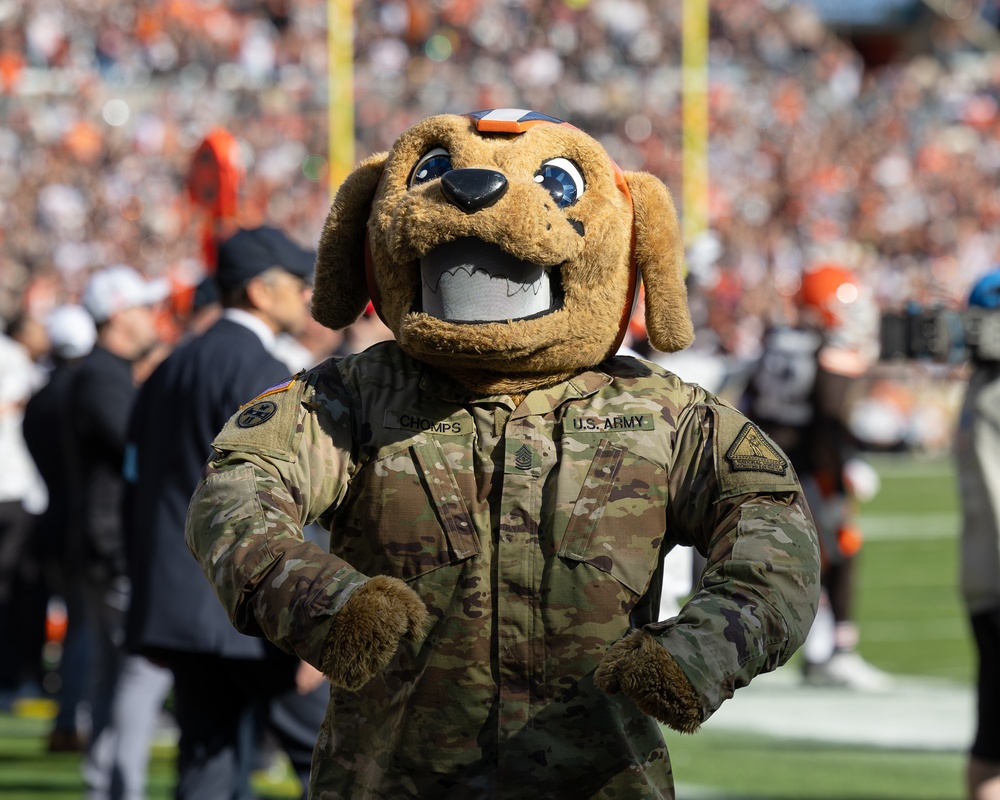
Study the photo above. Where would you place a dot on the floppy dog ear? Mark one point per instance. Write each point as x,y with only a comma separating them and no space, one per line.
659,256
340,293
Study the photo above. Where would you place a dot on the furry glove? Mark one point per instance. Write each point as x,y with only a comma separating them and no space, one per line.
640,668
367,631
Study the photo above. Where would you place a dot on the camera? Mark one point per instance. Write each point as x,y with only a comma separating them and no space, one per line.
941,335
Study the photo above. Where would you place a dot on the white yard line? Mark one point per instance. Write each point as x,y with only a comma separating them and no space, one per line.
884,527
916,714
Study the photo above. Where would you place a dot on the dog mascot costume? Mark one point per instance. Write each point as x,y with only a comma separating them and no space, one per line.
501,488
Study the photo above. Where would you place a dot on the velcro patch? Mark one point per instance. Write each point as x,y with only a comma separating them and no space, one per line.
267,427
752,452
746,460
612,422
406,421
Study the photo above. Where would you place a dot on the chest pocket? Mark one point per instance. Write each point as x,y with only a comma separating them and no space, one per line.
616,513
406,515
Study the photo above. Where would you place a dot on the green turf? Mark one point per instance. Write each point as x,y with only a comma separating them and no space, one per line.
908,602
911,623
726,765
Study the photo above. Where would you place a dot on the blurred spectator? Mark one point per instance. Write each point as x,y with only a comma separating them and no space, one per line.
48,434
800,394
222,678
103,391
205,307
22,499
977,452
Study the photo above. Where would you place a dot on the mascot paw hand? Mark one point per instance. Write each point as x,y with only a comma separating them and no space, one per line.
638,667
368,630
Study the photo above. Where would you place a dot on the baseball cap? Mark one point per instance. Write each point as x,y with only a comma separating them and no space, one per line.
71,330
251,251
117,288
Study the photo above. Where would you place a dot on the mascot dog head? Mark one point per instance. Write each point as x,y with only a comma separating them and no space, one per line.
503,248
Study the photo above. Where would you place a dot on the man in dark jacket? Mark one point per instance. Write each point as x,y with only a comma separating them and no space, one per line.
219,674
48,434
101,396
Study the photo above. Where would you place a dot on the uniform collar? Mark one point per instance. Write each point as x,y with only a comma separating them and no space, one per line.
539,401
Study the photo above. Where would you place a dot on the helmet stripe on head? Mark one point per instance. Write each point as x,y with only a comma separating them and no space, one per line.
510,120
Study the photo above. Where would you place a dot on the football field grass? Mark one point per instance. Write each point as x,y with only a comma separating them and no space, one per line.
912,624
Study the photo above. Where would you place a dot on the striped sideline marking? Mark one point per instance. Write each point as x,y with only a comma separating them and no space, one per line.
885,527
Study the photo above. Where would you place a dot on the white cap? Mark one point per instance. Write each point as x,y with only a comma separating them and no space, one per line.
118,288
71,331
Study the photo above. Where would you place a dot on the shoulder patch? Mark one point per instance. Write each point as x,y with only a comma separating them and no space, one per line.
746,460
752,452
270,424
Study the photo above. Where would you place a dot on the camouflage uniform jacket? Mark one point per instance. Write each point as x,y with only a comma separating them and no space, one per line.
534,535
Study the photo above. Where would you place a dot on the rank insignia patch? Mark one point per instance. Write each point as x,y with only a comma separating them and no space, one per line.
752,452
256,414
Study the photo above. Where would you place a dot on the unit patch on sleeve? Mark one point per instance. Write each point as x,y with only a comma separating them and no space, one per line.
256,414
746,460
269,425
751,452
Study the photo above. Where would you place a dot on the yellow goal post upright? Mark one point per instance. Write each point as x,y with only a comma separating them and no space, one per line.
695,118
340,88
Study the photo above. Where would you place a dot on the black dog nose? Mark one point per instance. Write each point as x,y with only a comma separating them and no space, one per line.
473,189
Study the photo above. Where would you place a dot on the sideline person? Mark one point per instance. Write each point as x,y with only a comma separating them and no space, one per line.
222,678
977,454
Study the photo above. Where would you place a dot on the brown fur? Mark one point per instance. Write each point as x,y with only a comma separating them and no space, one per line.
405,223
367,631
640,668
340,293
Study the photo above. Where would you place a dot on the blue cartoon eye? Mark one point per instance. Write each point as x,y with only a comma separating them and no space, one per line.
432,164
561,178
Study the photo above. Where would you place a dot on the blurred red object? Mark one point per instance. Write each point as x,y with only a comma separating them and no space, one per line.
213,183
214,177
821,287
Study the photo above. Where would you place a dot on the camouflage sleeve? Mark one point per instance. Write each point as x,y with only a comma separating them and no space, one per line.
736,499
279,463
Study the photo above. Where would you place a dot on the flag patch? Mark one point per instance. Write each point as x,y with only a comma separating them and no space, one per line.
278,387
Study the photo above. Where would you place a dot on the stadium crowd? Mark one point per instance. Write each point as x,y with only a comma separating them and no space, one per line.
103,104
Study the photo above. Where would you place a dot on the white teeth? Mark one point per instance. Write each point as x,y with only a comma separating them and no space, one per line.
469,280
479,274
467,293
